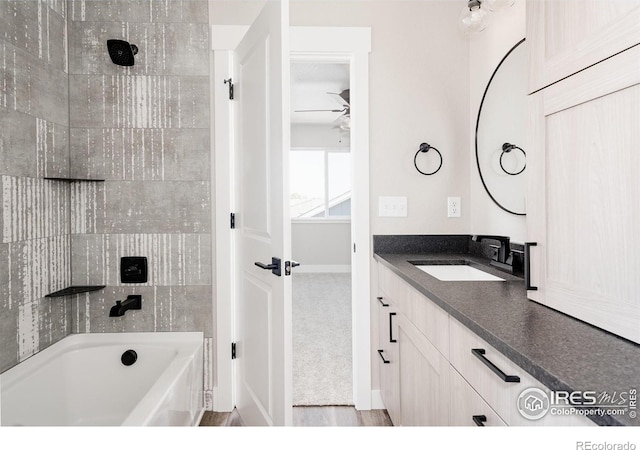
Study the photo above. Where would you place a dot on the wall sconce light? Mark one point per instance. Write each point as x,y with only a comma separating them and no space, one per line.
474,17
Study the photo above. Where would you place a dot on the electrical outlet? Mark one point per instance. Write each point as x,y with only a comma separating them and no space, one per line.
453,207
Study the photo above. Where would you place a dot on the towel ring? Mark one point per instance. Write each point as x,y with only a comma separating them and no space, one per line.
424,148
506,148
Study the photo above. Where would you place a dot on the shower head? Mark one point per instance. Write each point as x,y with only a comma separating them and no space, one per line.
121,52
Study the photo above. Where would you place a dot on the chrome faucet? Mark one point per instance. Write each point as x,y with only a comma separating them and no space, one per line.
504,256
132,302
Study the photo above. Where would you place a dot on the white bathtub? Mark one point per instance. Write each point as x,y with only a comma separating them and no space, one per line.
82,381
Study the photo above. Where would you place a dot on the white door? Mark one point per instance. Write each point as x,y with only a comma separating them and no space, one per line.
263,299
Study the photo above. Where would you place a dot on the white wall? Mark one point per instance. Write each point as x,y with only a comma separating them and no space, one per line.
321,244
418,93
487,50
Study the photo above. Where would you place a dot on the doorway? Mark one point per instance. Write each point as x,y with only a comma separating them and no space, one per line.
354,45
320,208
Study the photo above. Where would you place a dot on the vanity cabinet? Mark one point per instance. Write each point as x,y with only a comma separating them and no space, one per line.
565,37
582,163
433,376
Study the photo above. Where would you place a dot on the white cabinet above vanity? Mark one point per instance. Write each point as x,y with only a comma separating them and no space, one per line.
582,198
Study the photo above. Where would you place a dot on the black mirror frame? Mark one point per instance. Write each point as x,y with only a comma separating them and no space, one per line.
478,125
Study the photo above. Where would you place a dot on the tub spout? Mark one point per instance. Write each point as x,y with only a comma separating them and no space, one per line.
132,302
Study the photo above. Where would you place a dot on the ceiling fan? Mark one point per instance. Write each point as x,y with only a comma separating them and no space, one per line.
344,121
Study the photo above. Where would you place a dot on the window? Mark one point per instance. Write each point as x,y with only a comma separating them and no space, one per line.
320,183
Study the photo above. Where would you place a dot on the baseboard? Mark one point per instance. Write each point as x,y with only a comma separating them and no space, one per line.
199,418
336,268
376,400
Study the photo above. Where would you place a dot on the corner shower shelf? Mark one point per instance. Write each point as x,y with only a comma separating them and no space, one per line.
72,290
71,179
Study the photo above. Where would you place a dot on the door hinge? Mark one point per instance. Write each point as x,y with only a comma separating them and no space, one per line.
230,87
233,220
233,350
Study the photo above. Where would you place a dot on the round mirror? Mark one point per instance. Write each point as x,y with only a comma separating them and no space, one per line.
500,132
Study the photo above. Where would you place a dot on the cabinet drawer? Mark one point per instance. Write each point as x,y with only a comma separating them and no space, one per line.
467,406
500,395
428,318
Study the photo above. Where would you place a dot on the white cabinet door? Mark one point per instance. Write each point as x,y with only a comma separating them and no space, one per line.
388,358
467,407
424,378
567,36
583,184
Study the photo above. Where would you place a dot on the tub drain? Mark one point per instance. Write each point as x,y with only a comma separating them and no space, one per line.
129,357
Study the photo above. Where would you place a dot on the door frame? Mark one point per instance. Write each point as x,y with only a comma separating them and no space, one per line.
346,43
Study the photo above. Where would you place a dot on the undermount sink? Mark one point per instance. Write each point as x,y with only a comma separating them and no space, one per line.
454,270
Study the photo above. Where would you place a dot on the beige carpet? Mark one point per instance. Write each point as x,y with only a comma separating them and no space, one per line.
322,367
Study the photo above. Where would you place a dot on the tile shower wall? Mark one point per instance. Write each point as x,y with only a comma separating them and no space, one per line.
34,143
145,130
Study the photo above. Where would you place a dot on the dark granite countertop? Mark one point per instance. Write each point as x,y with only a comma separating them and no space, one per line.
561,352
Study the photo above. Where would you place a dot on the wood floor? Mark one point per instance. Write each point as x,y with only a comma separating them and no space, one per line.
312,416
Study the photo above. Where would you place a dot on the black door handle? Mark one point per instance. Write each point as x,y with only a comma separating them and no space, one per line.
381,356
480,420
479,353
382,303
391,339
274,267
288,265
527,265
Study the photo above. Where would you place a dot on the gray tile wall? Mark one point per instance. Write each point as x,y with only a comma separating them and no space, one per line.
35,240
145,129
67,111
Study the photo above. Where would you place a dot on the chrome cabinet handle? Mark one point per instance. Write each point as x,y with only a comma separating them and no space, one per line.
479,353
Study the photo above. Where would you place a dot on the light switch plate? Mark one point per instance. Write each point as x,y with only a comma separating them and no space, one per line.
392,206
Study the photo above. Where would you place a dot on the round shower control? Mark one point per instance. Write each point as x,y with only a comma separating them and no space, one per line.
129,357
